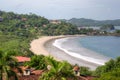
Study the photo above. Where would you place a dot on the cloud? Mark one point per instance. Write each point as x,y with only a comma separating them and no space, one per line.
64,8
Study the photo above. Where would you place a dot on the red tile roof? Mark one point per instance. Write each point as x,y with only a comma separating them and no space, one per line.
22,59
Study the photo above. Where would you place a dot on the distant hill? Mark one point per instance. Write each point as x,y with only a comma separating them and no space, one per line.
91,22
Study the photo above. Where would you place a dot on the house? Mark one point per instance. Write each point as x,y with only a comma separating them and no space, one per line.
55,21
76,70
26,71
29,73
1,19
24,19
22,59
22,69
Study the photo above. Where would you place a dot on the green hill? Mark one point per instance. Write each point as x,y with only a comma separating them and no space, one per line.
90,22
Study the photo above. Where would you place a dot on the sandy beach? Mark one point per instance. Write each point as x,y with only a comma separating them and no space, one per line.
37,46
44,46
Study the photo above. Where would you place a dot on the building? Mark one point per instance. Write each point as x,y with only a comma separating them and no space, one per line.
24,19
1,19
55,21
26,70
76,70
22,59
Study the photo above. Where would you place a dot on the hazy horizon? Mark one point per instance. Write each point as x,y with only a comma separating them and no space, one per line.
65,9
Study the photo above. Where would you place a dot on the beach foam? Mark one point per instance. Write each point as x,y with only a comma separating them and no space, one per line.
60,42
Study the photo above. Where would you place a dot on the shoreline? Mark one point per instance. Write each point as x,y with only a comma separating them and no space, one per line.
44,46
37,46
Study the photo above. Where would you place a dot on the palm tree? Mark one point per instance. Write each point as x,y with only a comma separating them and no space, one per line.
58,71
37,61
7,63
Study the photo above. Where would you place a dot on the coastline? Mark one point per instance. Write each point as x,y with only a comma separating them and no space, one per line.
44,46
37,46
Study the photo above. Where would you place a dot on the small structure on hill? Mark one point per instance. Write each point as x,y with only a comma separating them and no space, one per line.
22,59
55,21
107,28
26,70
24,19
49,67
1,19
76,70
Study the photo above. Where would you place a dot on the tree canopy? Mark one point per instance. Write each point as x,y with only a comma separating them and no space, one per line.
17,30
110,71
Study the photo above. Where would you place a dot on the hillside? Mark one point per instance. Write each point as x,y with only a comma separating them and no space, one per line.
17,30
91,22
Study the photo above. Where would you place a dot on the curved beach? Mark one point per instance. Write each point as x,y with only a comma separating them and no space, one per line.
44,46
37,46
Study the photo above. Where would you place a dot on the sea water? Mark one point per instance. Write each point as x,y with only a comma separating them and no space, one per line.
94,49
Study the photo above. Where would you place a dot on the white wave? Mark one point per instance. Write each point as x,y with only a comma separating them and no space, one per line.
59,42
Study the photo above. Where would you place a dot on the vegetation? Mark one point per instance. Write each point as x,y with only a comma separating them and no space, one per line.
58,70
117,32
85,71
107,27
38,62
86,31
89,22
110,71
7,63
60,29
14,43
16,32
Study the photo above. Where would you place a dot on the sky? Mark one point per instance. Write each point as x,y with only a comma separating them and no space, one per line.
65,9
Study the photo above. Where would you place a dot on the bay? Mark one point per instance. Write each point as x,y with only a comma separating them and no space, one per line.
95,49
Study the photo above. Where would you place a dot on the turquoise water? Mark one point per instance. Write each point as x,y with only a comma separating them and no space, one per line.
106,45
94,49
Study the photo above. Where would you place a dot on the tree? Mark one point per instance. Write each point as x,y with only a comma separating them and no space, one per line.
58,70
85,71
7,63
38,62
60,29
107,27
109,71
117,33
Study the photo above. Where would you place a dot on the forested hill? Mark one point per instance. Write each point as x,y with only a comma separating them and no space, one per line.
29,24
17,30
91,22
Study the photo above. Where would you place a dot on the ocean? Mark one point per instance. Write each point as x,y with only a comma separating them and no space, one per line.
94,49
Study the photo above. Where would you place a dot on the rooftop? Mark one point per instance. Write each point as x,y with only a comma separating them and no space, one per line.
22,59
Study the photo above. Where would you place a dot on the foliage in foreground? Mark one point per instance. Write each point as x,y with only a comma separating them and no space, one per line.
7,63
85,71
110,71
38,62
58,70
